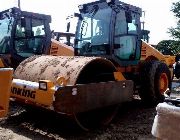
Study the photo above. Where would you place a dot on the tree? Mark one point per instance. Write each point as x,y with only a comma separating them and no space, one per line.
38,31
175,32
169,47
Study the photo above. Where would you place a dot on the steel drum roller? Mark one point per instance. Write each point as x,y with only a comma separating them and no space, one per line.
63,69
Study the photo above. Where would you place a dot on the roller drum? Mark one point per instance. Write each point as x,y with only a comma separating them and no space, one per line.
63,69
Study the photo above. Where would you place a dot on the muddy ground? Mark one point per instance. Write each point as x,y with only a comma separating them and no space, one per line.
132,122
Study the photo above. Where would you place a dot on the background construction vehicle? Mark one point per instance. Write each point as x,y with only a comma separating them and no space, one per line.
111,63
64,37
24,34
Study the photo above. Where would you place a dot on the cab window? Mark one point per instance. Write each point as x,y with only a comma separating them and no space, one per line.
125,37
29,37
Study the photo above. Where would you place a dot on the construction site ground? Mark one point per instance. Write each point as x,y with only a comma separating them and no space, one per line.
133,122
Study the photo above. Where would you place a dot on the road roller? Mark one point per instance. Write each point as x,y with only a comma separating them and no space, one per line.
24,34
108,65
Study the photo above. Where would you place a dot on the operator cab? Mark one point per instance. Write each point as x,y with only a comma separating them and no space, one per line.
23,34
109,29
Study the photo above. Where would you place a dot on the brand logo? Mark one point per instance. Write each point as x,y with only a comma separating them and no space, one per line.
23,92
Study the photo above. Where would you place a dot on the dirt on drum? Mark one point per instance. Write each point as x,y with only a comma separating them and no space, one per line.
59,69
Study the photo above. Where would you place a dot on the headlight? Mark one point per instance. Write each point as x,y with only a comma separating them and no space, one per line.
42,85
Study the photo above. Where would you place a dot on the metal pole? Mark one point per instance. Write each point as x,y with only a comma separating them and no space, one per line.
19,4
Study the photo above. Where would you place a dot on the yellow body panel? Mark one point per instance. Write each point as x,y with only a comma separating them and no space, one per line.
170,60
5,84
149,52
30,92
60,49
1,63
119,76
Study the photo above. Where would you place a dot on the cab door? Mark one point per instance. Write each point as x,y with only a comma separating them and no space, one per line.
127,41
29,39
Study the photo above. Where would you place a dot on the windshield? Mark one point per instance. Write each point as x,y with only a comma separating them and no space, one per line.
6,22
29,36
93,32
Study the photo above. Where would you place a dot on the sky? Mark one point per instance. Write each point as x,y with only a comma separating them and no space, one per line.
158,17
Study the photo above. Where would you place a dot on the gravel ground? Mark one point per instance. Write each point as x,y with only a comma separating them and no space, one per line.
133,122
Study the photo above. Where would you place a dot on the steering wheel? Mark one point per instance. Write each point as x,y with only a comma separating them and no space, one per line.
86,47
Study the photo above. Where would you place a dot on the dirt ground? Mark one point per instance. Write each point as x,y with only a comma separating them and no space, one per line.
133,122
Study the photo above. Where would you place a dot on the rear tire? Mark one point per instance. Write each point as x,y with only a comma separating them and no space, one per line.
155,79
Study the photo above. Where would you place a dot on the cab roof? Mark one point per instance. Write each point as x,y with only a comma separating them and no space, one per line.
122,5
17,12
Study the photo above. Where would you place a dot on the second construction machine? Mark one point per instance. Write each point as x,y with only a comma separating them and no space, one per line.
109,66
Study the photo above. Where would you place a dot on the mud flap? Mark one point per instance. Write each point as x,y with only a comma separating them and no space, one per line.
82,98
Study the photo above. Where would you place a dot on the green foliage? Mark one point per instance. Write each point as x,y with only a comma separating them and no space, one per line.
175,32
172,47
169,47
38,31
175,9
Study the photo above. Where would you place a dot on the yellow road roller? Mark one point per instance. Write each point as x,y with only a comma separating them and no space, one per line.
108,64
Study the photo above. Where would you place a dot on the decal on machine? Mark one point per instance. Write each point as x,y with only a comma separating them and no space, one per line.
23,92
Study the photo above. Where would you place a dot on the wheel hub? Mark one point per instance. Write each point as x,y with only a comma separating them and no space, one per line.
163,82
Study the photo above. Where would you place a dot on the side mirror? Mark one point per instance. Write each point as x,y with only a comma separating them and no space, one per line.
78,15
128,17
68,23
68,26
23,22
